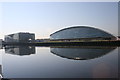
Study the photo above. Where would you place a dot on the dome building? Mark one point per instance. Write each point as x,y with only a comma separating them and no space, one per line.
81,33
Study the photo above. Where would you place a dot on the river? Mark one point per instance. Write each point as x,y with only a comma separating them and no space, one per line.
59,62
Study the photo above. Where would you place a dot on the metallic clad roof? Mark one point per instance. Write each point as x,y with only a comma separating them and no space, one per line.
81,27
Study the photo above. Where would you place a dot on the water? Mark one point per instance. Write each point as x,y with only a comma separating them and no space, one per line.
59,62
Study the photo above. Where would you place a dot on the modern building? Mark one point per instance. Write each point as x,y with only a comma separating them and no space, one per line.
20,37
42,40
118,37
81,33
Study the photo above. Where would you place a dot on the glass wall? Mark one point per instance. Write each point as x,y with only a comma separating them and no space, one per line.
79,32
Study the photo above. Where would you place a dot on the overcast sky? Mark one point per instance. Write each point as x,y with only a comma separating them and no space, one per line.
44,18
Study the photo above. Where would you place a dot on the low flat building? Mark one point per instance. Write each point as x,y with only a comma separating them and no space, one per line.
42,40
20,37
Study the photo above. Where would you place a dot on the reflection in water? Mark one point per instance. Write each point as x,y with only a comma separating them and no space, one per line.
43,62
0,63
70,52
20,50
81,53
1,47
0,71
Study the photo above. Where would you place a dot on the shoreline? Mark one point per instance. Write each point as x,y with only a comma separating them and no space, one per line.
93,43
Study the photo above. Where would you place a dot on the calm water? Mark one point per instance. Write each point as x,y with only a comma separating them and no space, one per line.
59,62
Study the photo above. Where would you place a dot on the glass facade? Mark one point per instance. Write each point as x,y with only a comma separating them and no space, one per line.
79,32
20,37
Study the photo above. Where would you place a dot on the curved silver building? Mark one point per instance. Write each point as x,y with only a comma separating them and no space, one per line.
82,32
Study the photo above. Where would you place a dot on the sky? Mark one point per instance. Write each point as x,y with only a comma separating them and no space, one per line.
59,0
44,18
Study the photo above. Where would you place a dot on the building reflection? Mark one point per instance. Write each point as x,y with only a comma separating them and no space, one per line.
20,50
1,47
81,53
1,71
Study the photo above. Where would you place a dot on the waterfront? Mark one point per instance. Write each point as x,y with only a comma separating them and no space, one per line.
59,62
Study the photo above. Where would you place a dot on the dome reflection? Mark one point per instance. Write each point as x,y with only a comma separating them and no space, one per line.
81,53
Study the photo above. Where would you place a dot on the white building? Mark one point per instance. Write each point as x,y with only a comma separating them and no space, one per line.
20,37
